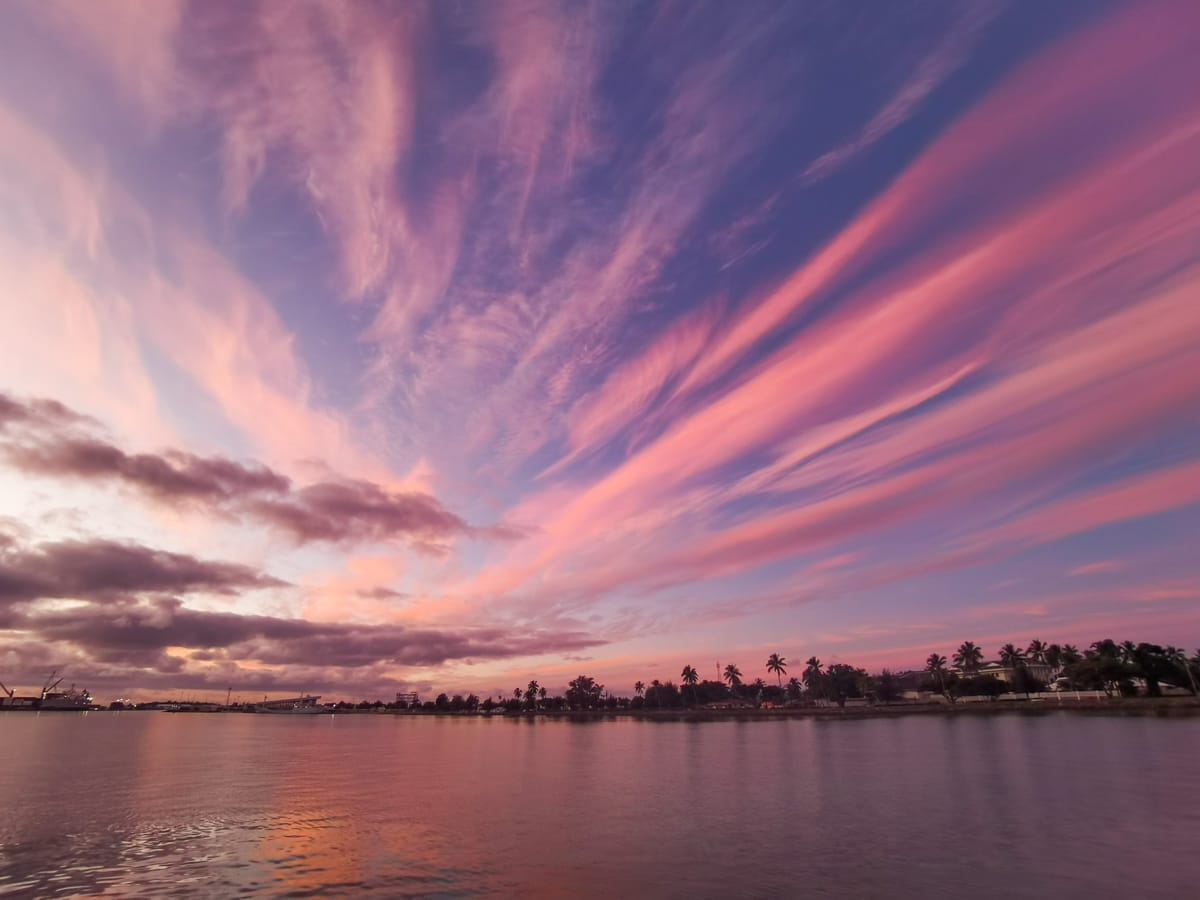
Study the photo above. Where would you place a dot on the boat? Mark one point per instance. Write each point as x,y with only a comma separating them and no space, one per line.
70,699
306,705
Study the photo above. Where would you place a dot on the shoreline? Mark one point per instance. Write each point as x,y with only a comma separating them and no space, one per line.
1184,707
1159,707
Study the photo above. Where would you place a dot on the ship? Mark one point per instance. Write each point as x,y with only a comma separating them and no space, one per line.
51,698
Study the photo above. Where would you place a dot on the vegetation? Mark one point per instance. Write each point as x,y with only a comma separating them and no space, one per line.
1117,669
968,657
733,675
690,679
778,665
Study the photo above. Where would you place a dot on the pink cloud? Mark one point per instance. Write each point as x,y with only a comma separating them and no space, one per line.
134,44
631,389
929,74
206,316
1045,366
1132,498
330,87
1097,568
969,158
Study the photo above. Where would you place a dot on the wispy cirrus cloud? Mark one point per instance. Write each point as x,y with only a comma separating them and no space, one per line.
929,73
1008,402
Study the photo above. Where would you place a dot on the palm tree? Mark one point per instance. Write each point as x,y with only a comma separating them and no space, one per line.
968,657
638,688
778,665
531,693
935,665
542,695
793,688
656,684
734,676
1070,655
812,674
1036,651
1011,656
1054,658
690,678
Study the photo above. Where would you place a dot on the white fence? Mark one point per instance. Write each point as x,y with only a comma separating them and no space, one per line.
1056,697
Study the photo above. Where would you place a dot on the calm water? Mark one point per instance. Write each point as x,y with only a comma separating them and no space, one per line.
145,804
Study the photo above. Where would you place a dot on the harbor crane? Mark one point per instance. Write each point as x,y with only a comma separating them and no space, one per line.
52,683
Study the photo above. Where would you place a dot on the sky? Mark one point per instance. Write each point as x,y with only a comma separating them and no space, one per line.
363,347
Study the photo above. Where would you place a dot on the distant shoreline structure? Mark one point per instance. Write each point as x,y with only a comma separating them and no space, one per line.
1044,673
1165,707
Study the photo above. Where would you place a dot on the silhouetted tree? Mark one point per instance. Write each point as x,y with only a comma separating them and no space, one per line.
733,675
690,678
1152,663
1036,651
935,665
1054,658
887,687
664,695
844,682
1011,657
1025,682
982,686
1101,670
584,693
1178,658
793,688
968,657
778,665
813,676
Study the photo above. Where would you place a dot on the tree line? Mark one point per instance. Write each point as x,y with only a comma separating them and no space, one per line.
1117,668
1123,668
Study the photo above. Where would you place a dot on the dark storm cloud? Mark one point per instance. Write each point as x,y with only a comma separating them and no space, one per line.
357,510
37,412
124,643
170,476
98,569
120,630
128,622
114,674
43,437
